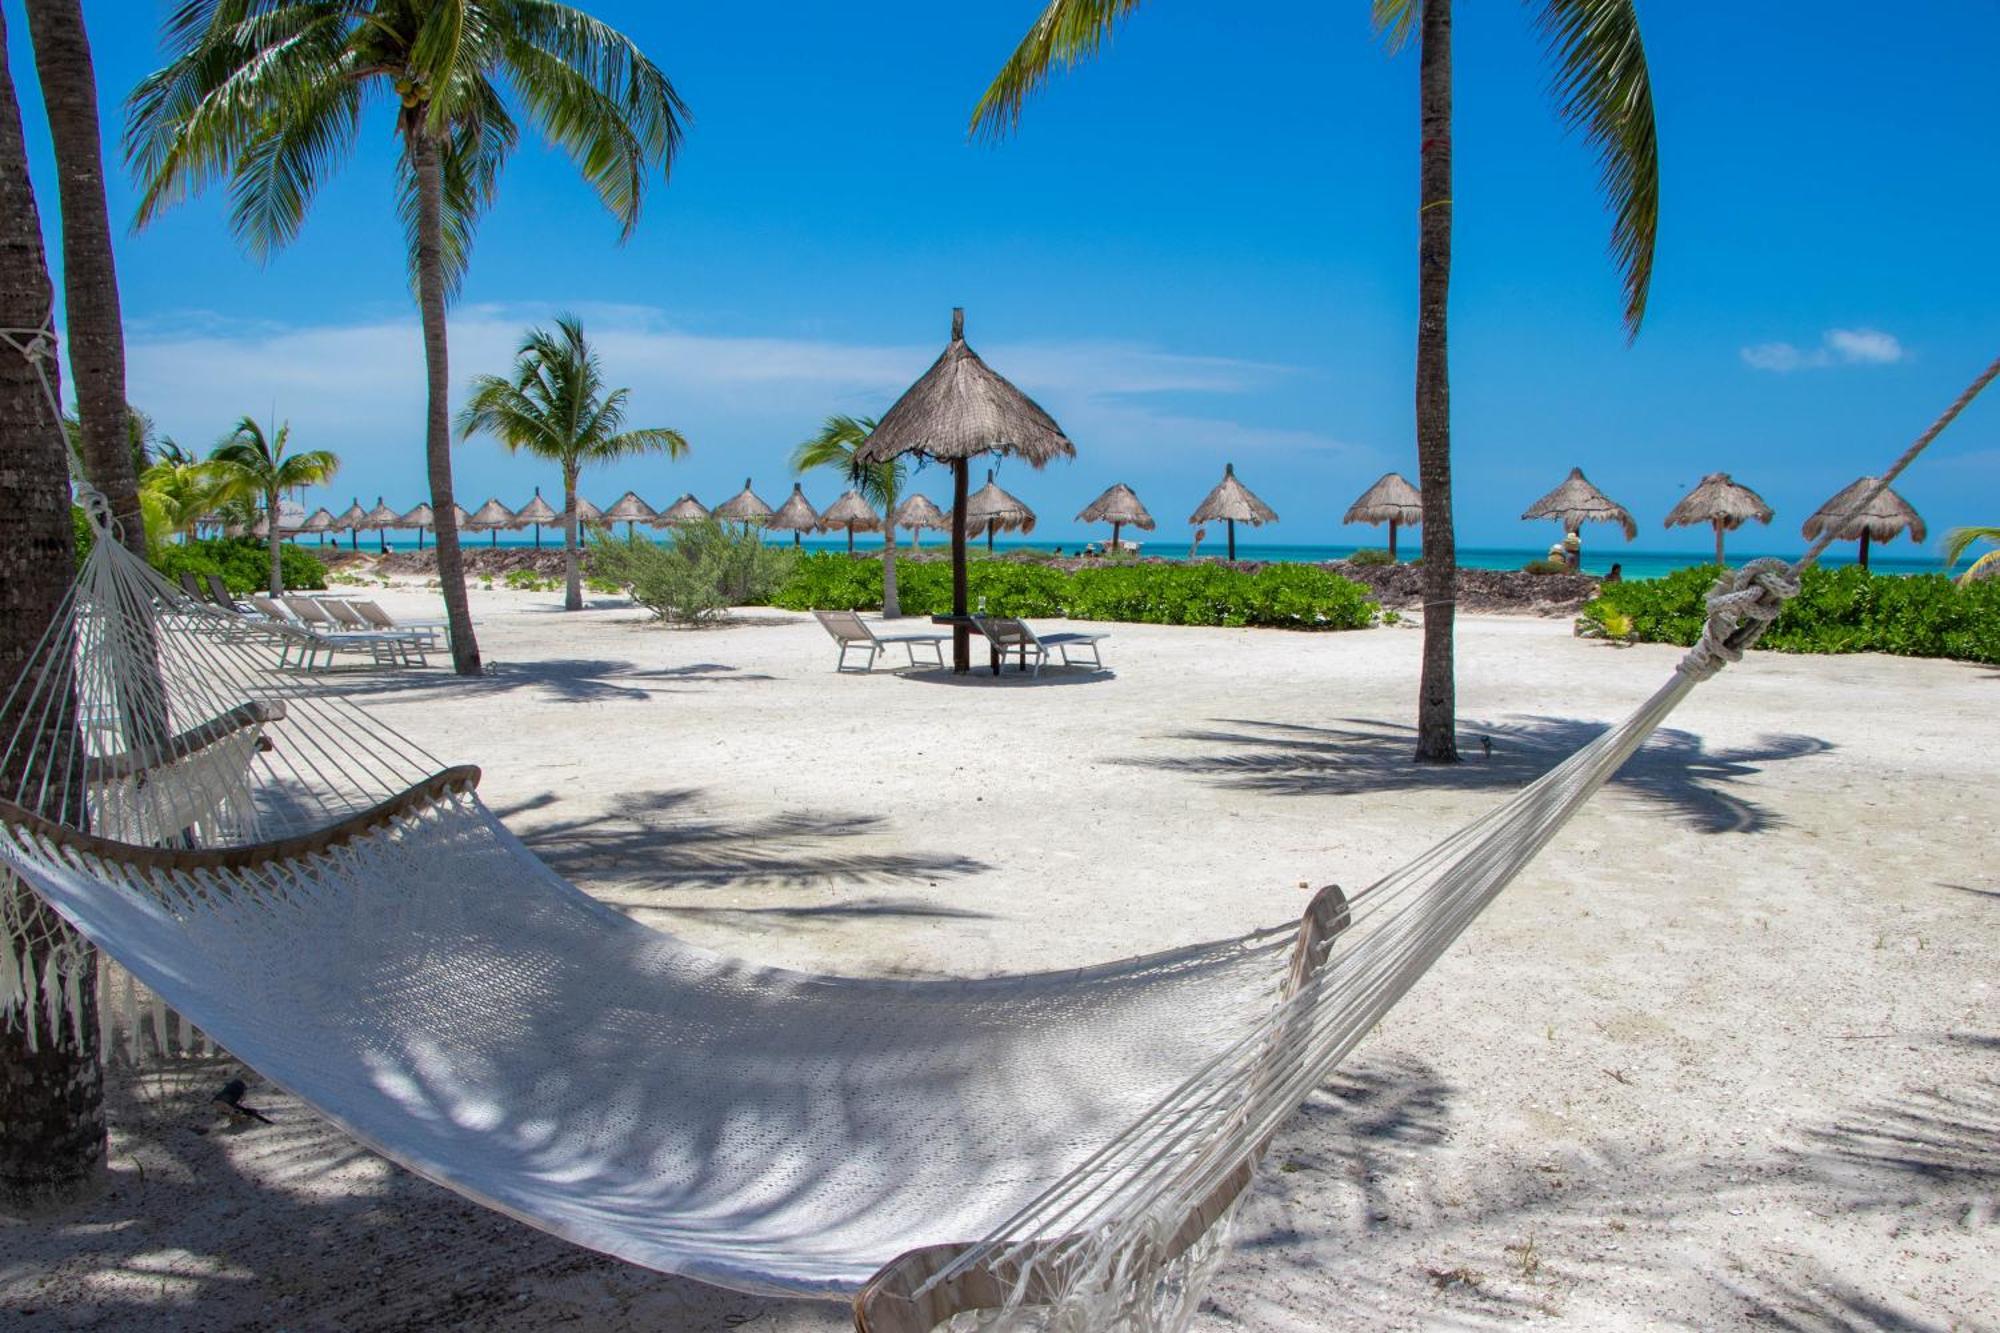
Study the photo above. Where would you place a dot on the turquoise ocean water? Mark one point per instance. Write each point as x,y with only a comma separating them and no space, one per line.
1597,559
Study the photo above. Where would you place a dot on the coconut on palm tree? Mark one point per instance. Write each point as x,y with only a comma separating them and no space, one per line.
249,464
878,483
270,97
556,407
1603,88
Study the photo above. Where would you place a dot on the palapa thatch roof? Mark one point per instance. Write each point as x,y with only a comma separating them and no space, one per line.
1390,500
1718,498
630,509
991,509
586,512
354,516
918,512
1118,505
1577,502
381,516
852,512
423,516
961,408
796,514
687,509
744,506
1231,500
492,514
1885,516
536,510
320,520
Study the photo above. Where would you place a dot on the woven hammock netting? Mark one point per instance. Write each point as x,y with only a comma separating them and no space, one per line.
338,910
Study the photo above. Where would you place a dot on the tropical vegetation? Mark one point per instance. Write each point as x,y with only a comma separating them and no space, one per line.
880,484
555,406
1961,540
1603,89
1844,610
249,464
1278,595
705,568
270,97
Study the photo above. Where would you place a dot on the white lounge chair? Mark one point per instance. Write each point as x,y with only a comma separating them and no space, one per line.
850,631
411,642
373,613
1009,635
328,635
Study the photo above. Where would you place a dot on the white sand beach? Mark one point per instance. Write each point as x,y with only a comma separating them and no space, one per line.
1724,1057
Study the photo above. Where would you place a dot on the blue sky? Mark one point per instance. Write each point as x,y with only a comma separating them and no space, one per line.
1199,248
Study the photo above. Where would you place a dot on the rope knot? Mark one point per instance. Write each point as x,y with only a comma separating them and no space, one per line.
37,345
1741,606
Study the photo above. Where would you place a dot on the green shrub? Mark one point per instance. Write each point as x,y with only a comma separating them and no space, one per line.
243,562
1294,596
706,569
1846,610
1371,555
527,580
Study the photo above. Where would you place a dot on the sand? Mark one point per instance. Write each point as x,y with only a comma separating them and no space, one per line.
1725,1057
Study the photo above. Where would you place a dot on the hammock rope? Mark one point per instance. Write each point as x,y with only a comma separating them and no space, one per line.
323,897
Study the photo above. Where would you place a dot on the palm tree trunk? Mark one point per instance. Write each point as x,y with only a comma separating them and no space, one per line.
90,277
423,152
961,640
51,1086
1437,703
276,540
572,565
892,605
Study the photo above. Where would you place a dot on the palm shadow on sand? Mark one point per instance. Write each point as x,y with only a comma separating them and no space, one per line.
1674,771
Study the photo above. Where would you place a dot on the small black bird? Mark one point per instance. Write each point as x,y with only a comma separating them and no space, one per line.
230,1099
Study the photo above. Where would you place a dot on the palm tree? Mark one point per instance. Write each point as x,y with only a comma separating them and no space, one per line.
270,95
880,484
52,1097
95,334
1960,540
248,463
555,407
1602,86
176,493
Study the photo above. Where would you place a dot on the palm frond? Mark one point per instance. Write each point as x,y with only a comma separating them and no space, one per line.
1066,32
1395,20
275,177
655,440
1957,541
1602,87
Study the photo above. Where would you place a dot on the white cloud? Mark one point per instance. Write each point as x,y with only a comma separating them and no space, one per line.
357,388
1837,347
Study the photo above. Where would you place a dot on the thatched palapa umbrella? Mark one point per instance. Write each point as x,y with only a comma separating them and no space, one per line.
990,509
958,410
381,518
1848,519
852,512
1721,502
918,513
536,512
1391,500
687,509
321,520
1577,502
796,515
745,507
630,510
1231,502
491,517
1118,507
350,522
423,516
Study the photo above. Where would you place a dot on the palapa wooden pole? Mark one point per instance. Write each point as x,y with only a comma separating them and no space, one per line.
961,639
1115,526
1864,548
1232,539
1718,543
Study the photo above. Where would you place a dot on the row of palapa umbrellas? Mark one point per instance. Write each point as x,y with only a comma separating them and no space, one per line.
1718,501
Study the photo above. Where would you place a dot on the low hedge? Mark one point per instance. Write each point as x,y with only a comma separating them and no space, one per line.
1845,610
243,562
1288,596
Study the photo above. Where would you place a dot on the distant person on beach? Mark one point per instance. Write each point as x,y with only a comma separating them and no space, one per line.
1617,574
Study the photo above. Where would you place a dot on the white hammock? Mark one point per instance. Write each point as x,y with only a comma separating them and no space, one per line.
341,913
